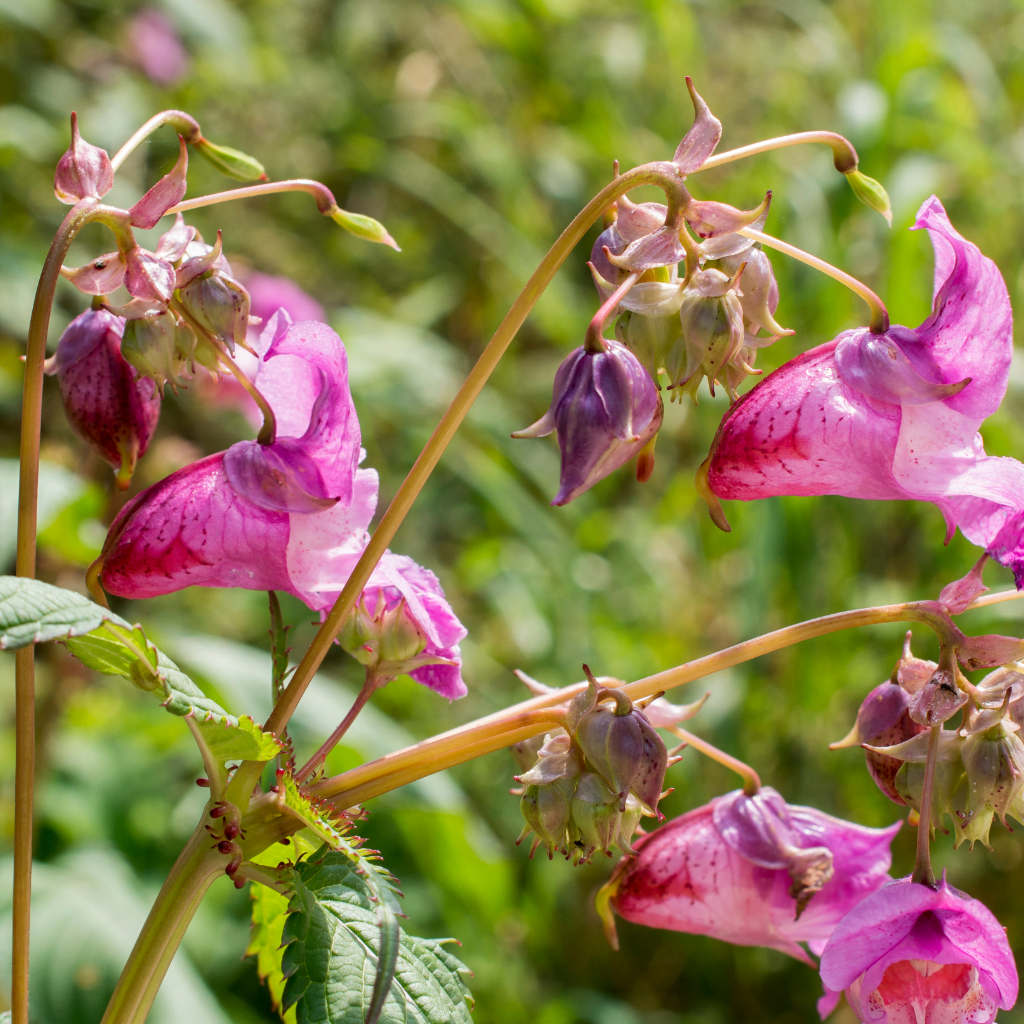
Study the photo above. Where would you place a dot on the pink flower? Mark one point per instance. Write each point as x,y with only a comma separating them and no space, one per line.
288,516
894,415
157,48
754,871
269,294
912,953
111,409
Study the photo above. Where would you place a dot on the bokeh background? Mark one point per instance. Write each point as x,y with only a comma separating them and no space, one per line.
475,130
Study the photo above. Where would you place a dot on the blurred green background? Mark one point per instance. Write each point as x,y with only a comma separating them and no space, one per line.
475,130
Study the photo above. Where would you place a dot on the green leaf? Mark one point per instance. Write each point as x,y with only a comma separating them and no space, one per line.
269,911
334,935
33,612
230,740
319,818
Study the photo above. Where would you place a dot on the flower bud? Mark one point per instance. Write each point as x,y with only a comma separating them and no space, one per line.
168,191
605,407
614,747
871,193
596,813
628,823
994,768
546,809
101,276
84,170
148,276
938,700
883,721
220,304
159,346
759,292
111,410
650,777
712,322
358,637
400,637
649,338
231,162
361,226
909,780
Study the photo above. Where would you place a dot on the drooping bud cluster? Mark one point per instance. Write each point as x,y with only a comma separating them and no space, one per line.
979,768
591,782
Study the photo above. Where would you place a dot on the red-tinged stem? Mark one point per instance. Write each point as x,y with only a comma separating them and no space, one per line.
843,154
24,666
595,341
184,124
923,865
324,197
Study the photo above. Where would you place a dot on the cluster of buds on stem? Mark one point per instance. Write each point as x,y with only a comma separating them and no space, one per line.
588,785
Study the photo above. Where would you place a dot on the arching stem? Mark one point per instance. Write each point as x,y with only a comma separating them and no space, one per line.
595,340
844,156
184,124
751,780
879,314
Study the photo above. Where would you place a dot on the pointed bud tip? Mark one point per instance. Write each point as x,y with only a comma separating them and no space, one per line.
361,226
715,509
871,193
851,739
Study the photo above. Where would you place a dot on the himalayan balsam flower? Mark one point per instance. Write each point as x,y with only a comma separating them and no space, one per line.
894,415
111,409
911,953
605,408
157,48
753,871
288,516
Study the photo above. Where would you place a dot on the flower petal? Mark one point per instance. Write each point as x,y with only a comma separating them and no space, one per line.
282,477
167,192
702,138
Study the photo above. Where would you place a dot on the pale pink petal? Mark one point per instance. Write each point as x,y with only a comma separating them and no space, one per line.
270,294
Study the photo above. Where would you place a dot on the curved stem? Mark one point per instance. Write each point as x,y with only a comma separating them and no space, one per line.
196,868
595,341
513,724
666,176
751,780
24,677
879,314
324,197
184,124
923,865
844,156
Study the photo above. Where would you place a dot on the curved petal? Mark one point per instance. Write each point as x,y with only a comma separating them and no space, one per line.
281,477
803,430
702,138
424,596
194,529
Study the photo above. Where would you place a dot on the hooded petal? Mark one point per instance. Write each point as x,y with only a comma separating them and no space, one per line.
282,476
702,138
168,191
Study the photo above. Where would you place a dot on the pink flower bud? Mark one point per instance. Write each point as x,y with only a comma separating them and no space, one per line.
112,411
702,138
605,407
713,220
148,276
909,952
83,171
167,192
103,275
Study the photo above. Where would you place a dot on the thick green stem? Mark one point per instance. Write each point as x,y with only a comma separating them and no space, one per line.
666,176
197,866
515,723
923,865
24,665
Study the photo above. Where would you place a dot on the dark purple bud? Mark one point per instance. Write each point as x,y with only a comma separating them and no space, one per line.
938,700
148,276
883,366
231,830
650,778
175,240
712,220
605,407
167,192
111,410
84,170
102,276
613,745
226,847
596,813
702,138
615,243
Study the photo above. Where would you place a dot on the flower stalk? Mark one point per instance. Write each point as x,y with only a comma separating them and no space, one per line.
751,780
843,154
923,865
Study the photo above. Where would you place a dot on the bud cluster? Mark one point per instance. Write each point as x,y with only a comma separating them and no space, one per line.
589,784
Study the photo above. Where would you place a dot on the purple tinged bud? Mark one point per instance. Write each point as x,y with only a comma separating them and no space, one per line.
758,290
712,220
650,778
175,240
958,595
614,746
83,171
167,192
637,220
605,407
661,248
596,813
611,240
148,276
281,477
546,809
112,411
938,700
702,138
103,275
219,304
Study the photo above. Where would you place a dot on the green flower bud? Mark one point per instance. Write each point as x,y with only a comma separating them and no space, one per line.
871,193
400,638
628,823
160,346
649,338
219,304
231,162
361,226
359,636
596,814
994,771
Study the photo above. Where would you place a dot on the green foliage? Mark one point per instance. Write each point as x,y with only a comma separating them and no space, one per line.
340,933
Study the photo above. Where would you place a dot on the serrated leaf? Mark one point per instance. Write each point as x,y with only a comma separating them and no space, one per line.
320,820
269,911
34,612
243,740
333,937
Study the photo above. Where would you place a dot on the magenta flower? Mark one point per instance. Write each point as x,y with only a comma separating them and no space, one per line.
894,415
288,516
112,410
912,953
157,48
268,294
605,407
754,871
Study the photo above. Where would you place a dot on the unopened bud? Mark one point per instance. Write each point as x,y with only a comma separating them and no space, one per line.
546,810
628,823
231,162
400,637
596,813
360,638
614,746
160,346
938,700
147,276
650,778
759,292
361,226
871,193
220,305
84,170
649,338
994,766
